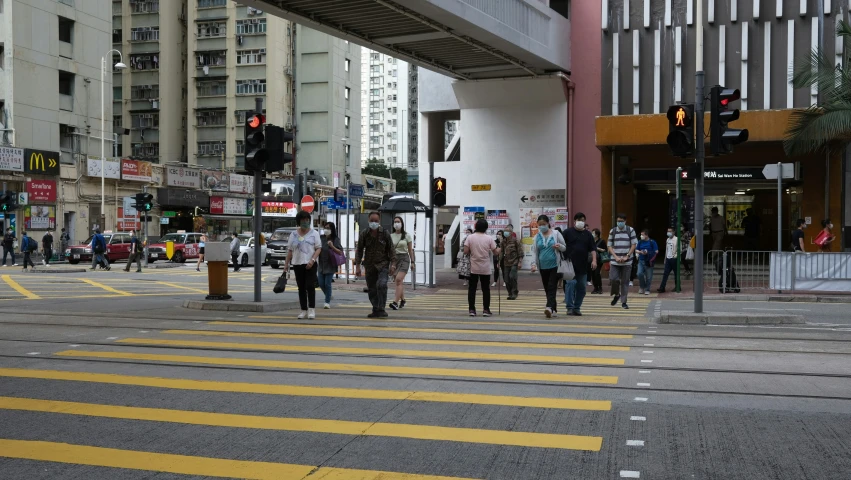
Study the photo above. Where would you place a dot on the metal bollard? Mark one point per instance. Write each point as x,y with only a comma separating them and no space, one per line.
217,255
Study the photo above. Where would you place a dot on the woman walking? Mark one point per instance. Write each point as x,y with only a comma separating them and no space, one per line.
403,260
331,247
304,247
463,267
546,248
480,248
826,236
602,254
498,241
202,242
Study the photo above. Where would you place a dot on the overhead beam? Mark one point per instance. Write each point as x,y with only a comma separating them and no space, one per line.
416,37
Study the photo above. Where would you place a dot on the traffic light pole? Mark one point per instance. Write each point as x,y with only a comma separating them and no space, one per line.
677,276
145,251
258,219
431,227
700,153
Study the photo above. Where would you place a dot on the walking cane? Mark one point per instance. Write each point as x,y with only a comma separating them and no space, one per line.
499,295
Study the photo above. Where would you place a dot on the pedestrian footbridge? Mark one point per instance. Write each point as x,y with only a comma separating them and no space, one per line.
464,39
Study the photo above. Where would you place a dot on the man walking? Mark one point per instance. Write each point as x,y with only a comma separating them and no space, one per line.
98,247
234,251
375,250
28,245
9,246
135,253
511,257
717,229
64,241
580,245
672,250
622,243
47,247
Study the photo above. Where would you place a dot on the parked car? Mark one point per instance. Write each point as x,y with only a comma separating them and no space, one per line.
185,246
277,246
117,248
246,251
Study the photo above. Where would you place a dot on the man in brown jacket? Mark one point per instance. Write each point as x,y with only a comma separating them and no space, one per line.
511,258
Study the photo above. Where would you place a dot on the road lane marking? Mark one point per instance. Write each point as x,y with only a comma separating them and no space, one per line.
106,287
635,443
377,351
644,371
638,419
174,285
642,384
630,474
18,288
640,399
778,309
647,351
300,391
454,322
647,361
187,465
415,341
338,427
517,333
34,353
347,367
648,344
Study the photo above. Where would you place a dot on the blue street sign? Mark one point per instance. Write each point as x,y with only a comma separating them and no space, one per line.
356,190
330,204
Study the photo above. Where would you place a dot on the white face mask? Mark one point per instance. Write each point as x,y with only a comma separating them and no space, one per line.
397,226
580,224
323,232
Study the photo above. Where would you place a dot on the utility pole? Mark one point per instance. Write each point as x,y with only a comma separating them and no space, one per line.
431,227
700,153
145,252
258,219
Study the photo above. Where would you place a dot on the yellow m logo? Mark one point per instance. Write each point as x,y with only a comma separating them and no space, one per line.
37,162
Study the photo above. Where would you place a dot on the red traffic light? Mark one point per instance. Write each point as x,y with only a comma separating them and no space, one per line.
727,95
255,121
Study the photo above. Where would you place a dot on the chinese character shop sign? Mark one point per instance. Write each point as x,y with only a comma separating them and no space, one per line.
136,170
183,177
42,191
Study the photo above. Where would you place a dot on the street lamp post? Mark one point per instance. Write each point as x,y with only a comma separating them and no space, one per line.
120,65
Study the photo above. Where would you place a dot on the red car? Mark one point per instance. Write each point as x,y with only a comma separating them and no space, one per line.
185,246
117,248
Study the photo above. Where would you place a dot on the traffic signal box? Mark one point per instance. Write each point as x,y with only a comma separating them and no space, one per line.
255,156
276,139
681,130
144,202
438,192
722,138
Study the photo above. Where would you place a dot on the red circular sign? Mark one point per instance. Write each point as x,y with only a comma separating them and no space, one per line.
307,203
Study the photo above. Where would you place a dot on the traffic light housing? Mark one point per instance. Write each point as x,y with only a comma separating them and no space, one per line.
144,202
438,192
8,202
681,130
276,156
722,138
255,156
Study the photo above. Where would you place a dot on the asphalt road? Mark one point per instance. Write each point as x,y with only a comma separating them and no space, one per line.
104,376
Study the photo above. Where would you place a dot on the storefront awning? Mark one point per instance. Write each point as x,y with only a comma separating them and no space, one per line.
228,217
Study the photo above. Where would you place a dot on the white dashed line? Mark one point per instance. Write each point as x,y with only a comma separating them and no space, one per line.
647,361
630,474
34,353
145,331
635,443
638,419
640,399
197,321
73,346
647,351
648,344
112,338
644,371
650,338
643,384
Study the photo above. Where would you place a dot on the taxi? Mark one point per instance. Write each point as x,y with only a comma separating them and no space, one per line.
185,247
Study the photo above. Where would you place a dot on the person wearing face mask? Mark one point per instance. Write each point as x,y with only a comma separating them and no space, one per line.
546,247
579,245
672,251
647,250
596,277
404,260
303,249
498,241
510,259
375,252
327,261
826,236
621,244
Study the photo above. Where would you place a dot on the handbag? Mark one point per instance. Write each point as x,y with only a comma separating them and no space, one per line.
281,284
339,258
565,269
690,254
605,257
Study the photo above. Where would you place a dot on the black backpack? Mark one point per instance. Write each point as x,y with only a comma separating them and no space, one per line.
31,245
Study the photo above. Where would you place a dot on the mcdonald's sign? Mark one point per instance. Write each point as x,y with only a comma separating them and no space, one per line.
41,162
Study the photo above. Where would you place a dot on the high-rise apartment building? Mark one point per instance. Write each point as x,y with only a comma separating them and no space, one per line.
149,96
389,111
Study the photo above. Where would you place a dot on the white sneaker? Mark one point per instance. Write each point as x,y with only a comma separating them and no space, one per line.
640,291
589,284
465,283
493,284
630,284
503,284
302,314
311,313
327,306
548,312
647,292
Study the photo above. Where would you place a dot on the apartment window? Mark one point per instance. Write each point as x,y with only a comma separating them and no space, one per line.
117,93
211,118
251,57
211,3
117,36
66,83
216,58
143,62
211,88
347,93
240,147
348,65
145,120
145,149
66,30
144,34
116,122
348,150
66,137
241,115
212,29
347,121
251,26
391,97
144,6
144,92
214,148
116,8
374,56
249,87
2,52
378,69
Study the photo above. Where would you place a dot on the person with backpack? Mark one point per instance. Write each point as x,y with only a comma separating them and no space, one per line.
98,252
621,245
234,251
28,246
135,253
330,258
47,247
9,246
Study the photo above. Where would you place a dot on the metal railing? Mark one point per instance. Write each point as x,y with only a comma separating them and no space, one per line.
733,271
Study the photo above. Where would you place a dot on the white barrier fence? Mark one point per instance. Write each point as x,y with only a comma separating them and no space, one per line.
817,272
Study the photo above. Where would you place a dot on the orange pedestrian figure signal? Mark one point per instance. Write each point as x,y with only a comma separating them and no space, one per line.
439,184
681,117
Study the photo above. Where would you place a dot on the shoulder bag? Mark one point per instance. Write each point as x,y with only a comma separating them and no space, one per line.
281,284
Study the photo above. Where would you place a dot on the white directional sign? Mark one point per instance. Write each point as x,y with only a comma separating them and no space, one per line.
770,171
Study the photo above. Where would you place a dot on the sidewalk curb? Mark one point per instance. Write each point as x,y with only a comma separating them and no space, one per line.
234,306
58,270
728,318
772,298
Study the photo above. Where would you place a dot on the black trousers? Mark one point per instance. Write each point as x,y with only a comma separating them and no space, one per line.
596,276
48,253
549,277
495,269
486,291
28,260
235,258
305,278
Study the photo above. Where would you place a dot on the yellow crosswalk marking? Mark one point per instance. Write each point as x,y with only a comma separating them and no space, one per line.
105,287
174,285
516,333
457,322
300,391
18,288
348,367
188,465
376,351
415,341
339,427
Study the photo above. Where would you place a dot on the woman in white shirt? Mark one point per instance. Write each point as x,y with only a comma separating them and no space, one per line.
303,249
402,262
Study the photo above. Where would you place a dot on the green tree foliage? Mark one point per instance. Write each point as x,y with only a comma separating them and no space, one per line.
380,169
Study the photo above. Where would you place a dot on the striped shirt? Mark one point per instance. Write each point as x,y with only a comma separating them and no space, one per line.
620,241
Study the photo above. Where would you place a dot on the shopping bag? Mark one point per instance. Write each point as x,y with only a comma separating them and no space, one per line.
690,254
565,268
281,284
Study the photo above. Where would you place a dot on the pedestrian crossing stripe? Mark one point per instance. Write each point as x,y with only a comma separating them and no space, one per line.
302,391
349,367
458,322
188,465
413,341
339,427
517,333
376,351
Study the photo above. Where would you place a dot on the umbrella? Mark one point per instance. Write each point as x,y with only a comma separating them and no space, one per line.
401,203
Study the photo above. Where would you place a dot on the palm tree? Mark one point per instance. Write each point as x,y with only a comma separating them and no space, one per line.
828,122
